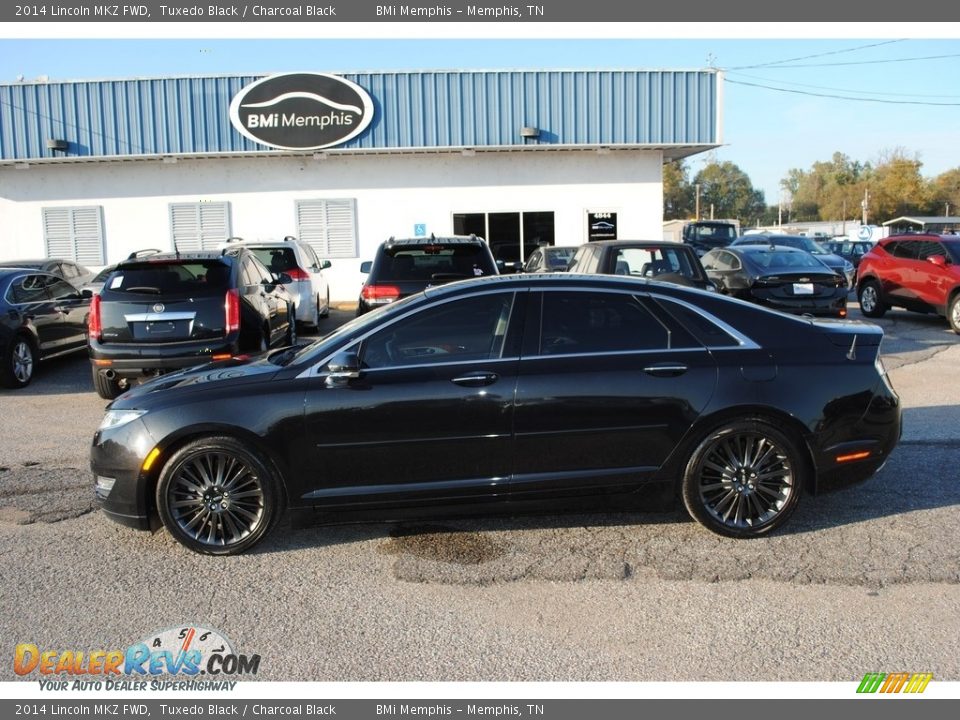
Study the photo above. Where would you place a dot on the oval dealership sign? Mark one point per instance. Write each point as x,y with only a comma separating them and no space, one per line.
301,111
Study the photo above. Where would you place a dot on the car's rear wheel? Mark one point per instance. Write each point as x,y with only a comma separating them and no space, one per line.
870,303
953,313
218,496
19,362
107,388
744,479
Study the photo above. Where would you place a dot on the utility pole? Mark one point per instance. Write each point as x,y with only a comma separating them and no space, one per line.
697,213
865,204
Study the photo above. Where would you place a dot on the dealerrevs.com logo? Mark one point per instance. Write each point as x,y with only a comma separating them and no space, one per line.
186,652
301,111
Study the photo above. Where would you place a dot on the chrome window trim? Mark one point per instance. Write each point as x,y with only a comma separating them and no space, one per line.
313,369
744,342
159,317
611,353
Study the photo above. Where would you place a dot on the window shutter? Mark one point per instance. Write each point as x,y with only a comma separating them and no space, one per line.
199,226
75,233
329,226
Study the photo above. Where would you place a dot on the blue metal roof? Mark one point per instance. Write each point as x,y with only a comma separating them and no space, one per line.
413,110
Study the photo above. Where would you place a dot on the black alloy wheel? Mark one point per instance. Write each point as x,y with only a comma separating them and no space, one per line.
744,479
217,497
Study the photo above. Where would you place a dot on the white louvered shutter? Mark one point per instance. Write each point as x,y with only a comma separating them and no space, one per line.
199,226
75,233
329,226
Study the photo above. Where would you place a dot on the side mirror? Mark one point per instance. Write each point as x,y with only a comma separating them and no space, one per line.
282,278
938,260
342,368
86,293
324,264
365,266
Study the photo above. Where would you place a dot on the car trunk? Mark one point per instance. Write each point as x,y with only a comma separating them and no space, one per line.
797,285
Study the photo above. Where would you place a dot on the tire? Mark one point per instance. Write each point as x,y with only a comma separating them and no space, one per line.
953,312
106,388
870,303
19,362
291,338
724,487
326,308
218,496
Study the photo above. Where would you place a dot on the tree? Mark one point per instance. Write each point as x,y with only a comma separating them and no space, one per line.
896,187
828,190
945,191
678,200
728,189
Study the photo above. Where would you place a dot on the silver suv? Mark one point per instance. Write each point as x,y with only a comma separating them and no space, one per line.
298,260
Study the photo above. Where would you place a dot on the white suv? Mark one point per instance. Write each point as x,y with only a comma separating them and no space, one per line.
298,260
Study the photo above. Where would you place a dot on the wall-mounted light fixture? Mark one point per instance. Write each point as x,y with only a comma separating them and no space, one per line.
53,144
320,156
170,160
530,132
603,151
468,152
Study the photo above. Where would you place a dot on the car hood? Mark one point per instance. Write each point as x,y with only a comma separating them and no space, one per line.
240,370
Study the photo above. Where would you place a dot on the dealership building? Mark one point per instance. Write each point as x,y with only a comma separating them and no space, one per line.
95,170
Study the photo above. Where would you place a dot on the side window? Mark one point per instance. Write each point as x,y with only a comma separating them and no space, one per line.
458,331
704,330
61,289
29,288
907,249
259,271
248,273
930,248
579,322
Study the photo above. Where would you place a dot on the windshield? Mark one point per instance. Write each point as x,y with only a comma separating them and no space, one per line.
773,261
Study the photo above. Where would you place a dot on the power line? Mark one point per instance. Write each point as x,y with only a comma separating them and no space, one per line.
860,62
844,90
823,54
842,97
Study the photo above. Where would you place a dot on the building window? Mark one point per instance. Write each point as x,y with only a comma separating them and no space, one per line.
512,236
199,226
329,226
75,233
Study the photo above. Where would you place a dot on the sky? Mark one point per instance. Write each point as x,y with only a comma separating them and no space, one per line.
832,105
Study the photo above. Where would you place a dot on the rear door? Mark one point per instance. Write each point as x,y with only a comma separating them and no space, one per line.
29,292
605,391
73,309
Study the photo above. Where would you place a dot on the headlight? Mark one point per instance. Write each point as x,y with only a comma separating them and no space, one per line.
116,418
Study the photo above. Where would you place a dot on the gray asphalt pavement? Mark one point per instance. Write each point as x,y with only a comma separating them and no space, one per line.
862,579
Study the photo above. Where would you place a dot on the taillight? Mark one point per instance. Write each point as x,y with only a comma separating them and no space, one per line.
231,307
297,274
380,294
94,325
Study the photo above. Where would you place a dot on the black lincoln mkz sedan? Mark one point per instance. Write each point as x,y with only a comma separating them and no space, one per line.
507,393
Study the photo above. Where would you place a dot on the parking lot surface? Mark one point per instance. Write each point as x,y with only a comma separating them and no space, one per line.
862,579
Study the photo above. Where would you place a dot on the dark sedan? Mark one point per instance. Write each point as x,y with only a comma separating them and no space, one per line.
512,393
779,277
41,316
839,265
75,274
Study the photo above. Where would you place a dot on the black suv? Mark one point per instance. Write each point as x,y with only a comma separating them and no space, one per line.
405,267
169,311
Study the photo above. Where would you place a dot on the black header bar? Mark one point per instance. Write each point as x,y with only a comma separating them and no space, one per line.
528,11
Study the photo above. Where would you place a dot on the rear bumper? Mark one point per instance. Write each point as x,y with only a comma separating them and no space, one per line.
134,360
834,306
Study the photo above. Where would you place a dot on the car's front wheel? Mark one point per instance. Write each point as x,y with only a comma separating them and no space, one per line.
218,496
870,303
744,479
19,362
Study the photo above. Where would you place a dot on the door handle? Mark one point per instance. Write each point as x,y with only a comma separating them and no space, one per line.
666,369
479,379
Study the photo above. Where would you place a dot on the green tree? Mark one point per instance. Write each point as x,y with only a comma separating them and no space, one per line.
828,190
944,191
896,187
728,189
678,198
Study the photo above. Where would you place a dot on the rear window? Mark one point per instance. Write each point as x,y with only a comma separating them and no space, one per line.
433,262
774,260
276,260
196,277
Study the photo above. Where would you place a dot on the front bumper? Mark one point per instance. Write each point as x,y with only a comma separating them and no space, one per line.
117,454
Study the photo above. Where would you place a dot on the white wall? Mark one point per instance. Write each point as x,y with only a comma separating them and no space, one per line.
393,193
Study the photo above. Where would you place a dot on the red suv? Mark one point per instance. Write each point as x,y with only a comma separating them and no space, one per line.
916,272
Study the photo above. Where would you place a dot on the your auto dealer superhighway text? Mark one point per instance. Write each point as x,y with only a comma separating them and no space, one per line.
242,11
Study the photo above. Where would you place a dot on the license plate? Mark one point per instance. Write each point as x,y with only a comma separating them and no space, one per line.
803,288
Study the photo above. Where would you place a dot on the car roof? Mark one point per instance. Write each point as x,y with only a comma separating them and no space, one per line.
922,236
763,247
635,243
32,264
184,256
434,240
